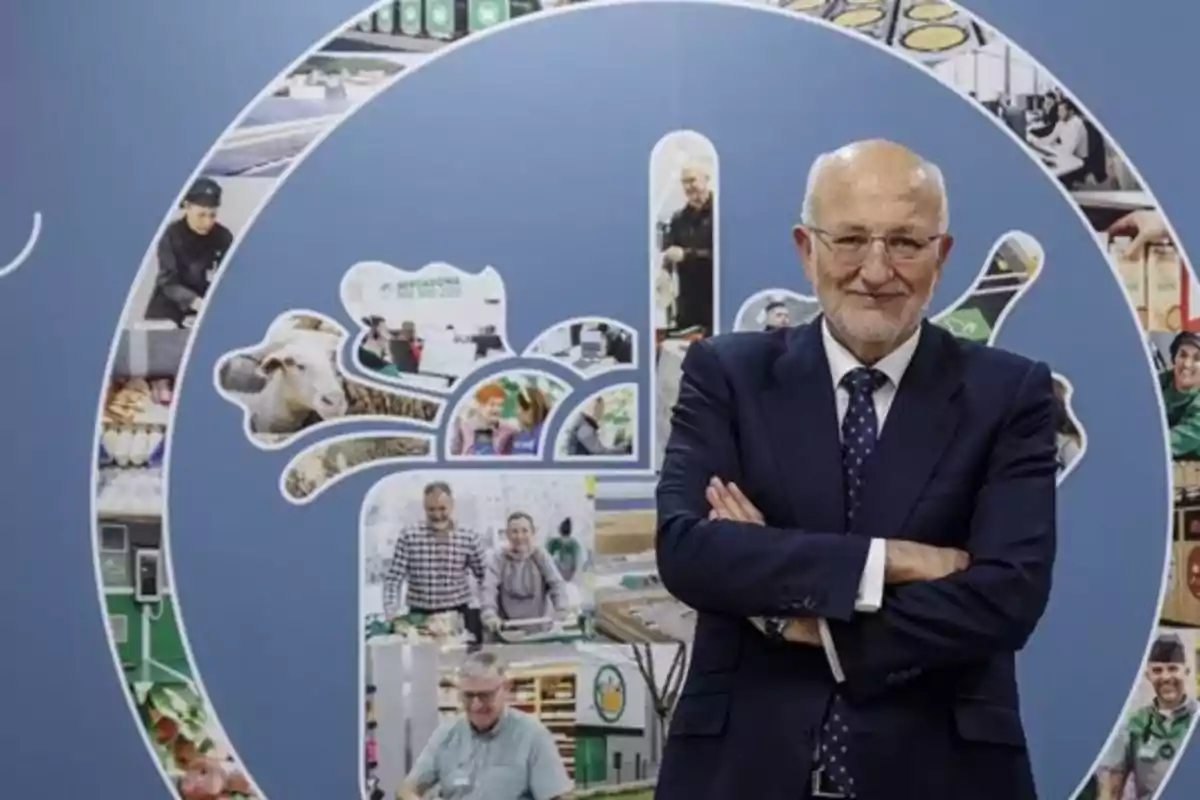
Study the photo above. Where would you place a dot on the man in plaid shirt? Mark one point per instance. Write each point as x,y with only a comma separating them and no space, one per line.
435,557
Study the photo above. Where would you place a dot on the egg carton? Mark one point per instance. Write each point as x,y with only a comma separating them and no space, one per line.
132,446
129,492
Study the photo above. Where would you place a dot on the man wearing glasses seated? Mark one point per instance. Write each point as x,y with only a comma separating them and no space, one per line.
490,751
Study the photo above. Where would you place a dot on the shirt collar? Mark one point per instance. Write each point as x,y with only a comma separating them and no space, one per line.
495,729
1186,708
893,365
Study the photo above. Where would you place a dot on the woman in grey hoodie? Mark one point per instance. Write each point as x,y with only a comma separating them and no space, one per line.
522,581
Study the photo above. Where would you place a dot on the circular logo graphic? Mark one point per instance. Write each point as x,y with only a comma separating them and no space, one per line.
498,242
608,693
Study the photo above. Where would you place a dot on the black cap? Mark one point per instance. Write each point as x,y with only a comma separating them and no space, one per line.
1167,649
204,192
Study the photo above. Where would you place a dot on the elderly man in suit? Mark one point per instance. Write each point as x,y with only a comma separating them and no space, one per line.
862,511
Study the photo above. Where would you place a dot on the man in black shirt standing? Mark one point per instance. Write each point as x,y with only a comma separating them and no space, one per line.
189,253
688,251
776,316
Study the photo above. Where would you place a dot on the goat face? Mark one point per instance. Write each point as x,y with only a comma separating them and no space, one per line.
308,379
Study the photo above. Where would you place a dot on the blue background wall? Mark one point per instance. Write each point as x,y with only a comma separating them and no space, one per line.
108,110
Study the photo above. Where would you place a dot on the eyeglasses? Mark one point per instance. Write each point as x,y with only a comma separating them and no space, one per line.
854,247
485,697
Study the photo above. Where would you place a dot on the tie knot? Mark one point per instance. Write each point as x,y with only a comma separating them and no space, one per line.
863,380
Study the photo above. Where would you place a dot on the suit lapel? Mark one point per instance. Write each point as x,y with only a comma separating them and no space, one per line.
800,405
922,420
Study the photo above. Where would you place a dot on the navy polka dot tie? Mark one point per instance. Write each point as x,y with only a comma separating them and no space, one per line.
860,429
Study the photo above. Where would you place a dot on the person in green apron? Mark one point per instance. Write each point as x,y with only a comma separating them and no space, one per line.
373,349
1181,395
565,551
1148,742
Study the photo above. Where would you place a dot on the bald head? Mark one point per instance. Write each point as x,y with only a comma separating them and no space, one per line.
874,168
696,177
873,239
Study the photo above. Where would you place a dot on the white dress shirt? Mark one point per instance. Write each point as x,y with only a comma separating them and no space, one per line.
842,361
1070,137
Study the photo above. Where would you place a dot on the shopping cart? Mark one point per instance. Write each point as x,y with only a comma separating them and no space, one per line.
543,630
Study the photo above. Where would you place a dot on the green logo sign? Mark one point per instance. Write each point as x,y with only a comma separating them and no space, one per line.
608,693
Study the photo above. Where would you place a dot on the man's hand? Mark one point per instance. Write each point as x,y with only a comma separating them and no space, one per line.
1110,784
673,254
912,561
728,502
1145,226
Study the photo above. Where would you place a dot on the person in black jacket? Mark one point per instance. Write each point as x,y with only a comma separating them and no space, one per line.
688,250
189,253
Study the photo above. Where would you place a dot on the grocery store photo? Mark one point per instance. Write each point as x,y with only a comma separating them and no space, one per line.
1181,605
771,309
583,720
177,273
467,557
630,601
420,27
1156,724
189,744
1142,251
301,107
507,416
1176,357
1009,270
134,421
149,648
317,467
601,427
684,222
426,328
292,381
1012,87
588,346
923,30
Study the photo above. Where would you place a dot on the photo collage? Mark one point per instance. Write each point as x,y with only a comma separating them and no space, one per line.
543,603
247,165
480,584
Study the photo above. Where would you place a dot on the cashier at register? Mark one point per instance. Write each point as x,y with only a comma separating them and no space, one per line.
1181,395
490,751
189,253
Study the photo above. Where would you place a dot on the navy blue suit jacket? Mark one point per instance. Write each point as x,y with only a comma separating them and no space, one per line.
966,459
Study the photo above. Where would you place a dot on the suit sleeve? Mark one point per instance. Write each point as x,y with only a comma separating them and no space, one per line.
994,605
733,568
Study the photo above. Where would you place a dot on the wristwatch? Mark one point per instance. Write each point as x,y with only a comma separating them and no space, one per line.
774,627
